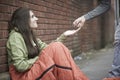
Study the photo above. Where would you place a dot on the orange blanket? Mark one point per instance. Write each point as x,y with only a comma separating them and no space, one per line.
54,63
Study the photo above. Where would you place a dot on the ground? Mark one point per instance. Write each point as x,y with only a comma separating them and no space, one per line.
96,64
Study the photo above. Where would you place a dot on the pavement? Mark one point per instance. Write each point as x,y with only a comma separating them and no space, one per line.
96,64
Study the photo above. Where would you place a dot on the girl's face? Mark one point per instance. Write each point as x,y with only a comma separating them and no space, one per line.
33,20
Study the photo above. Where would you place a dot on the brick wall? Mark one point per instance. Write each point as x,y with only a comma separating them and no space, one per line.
55,17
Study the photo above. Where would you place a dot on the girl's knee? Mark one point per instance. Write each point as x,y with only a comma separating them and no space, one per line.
56,43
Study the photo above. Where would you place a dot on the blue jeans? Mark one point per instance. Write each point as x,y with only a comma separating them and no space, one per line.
115,72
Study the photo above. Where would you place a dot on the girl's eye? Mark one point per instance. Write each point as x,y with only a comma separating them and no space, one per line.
33,16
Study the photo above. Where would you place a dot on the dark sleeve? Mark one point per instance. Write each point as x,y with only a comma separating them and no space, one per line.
101,8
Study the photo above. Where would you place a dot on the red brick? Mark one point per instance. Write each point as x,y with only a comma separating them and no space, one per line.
6,8
3,60
3,68
2,42
2,51
3,25
3,34
4,17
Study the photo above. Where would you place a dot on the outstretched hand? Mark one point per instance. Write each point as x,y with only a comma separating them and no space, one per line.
79,22
71,32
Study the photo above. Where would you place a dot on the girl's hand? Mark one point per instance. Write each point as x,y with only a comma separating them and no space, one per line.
71,32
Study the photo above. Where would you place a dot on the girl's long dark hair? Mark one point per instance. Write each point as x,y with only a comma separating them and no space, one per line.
20,22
